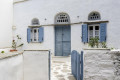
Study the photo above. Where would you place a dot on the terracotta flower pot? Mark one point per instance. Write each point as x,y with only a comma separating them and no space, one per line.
12,50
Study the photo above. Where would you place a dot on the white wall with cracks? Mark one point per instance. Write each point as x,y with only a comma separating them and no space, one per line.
101,65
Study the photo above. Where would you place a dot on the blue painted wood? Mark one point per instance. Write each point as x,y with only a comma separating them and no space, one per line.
28,35
62,40
103,32
78,66
66,40
84,33
49,65
75,64
58,41
41,34
72,61
81,65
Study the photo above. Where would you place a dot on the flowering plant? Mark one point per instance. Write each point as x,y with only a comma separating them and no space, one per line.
15,43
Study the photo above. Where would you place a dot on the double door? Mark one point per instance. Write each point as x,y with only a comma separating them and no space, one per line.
62,40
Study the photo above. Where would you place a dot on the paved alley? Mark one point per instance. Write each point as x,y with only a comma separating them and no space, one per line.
61,68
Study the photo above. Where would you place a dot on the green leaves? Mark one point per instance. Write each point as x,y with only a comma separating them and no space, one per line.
94,42
103,44
14,43
2,52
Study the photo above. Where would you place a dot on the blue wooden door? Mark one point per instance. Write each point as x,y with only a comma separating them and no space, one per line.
62,40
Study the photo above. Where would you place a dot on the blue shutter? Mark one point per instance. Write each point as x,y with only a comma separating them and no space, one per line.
103,32
84,33
28,35
41,34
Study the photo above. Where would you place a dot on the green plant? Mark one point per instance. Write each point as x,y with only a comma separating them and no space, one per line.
94,42
103,44
14,43
2,51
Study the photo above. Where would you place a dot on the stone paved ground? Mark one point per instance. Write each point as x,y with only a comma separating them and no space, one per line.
61,69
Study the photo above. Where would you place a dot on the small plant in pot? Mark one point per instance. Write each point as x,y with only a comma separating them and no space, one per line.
15,44
94,42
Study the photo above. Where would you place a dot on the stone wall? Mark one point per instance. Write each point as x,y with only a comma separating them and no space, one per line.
116,62
98,65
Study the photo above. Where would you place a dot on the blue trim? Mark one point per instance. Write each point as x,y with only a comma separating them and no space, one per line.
28,35
103,32
85,33
81,65
49,65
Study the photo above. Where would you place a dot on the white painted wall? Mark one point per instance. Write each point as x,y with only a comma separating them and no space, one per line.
6,18
24,12
11,68
36,65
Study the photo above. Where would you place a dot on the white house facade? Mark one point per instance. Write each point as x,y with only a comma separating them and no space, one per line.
6,22
65,25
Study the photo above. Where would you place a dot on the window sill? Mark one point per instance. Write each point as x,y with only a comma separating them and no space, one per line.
96,49
34,42
95,21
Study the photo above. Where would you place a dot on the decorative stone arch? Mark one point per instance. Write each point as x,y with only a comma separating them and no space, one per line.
62,18
94,16
35,21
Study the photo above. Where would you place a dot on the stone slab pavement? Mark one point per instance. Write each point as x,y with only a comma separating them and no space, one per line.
61,68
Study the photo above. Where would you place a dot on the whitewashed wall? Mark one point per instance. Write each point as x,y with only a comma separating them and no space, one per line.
98,65
6,19
36,65
24,12
11,68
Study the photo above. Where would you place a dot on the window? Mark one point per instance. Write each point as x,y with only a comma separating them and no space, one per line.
34,34
93,31
62,18
94,16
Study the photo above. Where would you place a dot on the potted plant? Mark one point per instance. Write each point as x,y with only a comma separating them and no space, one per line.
94,42
15,44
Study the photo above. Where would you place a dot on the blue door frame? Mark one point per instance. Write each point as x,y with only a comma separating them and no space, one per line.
62,40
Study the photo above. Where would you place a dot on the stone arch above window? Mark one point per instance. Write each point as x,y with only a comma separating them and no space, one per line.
94,16
62,18
35,21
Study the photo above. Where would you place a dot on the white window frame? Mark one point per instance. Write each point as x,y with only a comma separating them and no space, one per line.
34,35
93,31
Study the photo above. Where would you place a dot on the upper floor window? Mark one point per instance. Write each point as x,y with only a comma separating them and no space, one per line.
62,18
35,21
94,16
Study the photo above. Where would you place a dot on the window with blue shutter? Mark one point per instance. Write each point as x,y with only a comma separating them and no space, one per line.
84,33
28,35
41,34
103,32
